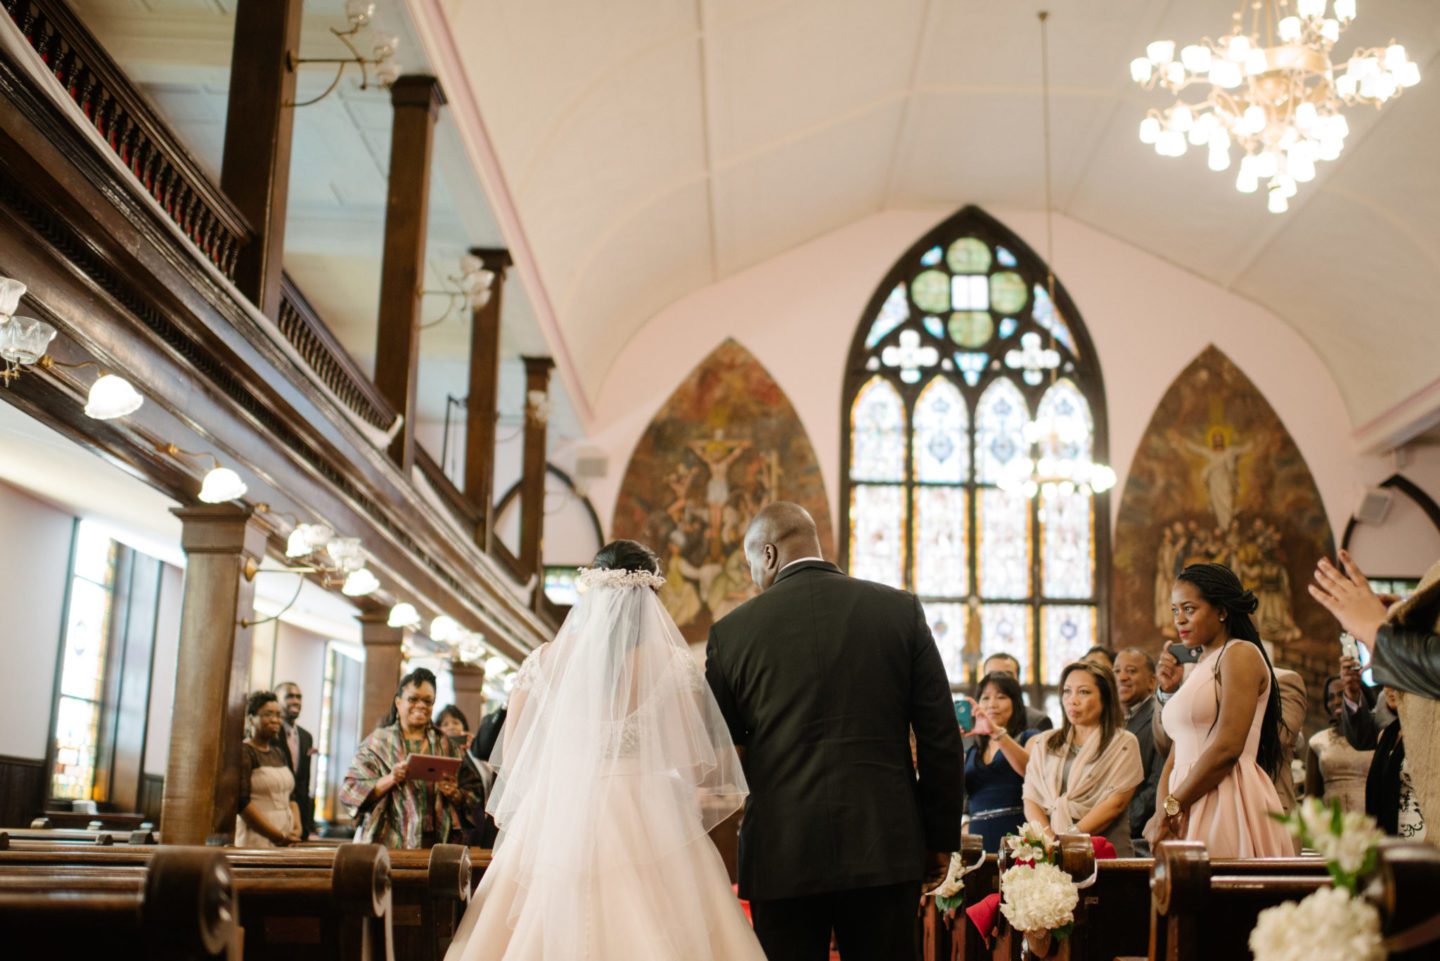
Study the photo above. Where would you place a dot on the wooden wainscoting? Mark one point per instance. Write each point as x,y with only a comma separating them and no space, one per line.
22,790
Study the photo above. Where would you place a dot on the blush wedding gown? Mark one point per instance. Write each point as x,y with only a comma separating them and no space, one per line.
613,765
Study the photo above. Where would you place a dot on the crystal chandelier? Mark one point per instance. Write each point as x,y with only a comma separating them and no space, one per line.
1270,89
1064,465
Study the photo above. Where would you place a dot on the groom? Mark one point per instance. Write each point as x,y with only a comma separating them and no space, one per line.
821,679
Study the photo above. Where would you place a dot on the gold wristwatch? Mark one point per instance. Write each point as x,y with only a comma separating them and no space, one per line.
1172,805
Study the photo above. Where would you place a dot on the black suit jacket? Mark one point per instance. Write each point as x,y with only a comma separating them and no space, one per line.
1142,805
301,794
821,679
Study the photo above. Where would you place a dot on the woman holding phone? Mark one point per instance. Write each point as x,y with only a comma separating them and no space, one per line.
397,810
995,763
1218,783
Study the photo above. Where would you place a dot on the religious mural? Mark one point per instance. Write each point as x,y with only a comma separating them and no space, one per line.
1218,478
725,444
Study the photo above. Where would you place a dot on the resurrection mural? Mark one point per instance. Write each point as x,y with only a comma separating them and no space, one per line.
725,444
1218,478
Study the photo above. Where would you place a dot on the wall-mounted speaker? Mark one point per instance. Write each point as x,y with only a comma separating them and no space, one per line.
1374,506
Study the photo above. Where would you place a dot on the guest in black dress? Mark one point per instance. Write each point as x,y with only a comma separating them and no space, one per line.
995,763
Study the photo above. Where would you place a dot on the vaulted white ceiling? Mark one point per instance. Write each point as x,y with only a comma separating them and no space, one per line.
652,147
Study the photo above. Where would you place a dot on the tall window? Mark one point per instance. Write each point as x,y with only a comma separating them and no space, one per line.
947,367
82,673
102,702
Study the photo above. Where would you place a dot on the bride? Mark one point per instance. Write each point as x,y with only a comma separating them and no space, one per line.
613,764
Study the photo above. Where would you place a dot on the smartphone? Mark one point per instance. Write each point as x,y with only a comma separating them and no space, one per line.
1349,647
1185,655
965,714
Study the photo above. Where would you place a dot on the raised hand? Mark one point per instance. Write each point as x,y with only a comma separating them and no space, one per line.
1168,673
1347,595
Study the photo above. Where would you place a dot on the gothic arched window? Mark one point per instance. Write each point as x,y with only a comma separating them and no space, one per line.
948,366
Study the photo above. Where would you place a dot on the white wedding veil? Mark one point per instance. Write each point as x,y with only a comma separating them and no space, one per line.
614,752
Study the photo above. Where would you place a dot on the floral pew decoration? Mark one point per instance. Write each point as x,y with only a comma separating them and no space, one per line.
1333,922
1038,890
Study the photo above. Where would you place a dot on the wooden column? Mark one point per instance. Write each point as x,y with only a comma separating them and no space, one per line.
532,480
255,171
212,673
417,101
384,657
469,683
482,401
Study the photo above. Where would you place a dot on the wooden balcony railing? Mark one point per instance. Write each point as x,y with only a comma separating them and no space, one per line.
134,129
318,347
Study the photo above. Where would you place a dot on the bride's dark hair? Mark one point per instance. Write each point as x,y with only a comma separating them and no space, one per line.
627,556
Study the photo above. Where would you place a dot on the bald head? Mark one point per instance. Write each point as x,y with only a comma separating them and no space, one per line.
782,532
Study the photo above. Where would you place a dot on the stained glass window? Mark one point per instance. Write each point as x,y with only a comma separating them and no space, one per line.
931,435
947,625
82,671
942,451
877,433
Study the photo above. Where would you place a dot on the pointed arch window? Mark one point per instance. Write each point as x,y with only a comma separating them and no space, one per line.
958,349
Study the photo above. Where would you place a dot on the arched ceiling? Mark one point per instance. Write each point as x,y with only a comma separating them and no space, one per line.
652,147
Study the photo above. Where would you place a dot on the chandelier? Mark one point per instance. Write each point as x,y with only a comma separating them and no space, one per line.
1064,465
1271,90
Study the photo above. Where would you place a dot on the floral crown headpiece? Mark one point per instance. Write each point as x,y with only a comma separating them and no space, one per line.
591,577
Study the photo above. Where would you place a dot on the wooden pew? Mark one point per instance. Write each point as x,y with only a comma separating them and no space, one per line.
1203,909
99,836
943,936
179,907
429,889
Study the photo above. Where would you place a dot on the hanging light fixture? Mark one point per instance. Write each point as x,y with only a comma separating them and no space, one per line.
23,342
360,583
472,289
1064,465
1270,89
404,615
306,539
220,484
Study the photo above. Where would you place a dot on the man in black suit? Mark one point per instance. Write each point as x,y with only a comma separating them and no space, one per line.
298,746
822,679
1135,681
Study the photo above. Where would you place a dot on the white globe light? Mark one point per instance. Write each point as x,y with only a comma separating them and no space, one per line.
1196,58
1149,130
403,615
220,485
445,628
110,397
360,583
1161,51
1141,70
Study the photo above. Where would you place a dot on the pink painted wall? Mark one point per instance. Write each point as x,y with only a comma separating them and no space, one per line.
798,312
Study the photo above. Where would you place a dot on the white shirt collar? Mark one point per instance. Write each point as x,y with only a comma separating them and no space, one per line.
800,560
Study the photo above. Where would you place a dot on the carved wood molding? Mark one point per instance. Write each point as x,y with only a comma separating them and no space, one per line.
133,129
309,335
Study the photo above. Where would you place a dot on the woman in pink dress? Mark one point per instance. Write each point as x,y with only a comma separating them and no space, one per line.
1217,786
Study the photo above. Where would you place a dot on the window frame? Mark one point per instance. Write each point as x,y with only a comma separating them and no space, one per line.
971,221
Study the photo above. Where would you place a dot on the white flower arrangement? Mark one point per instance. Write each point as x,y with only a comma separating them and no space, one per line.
1329,925
1333,924
1038,897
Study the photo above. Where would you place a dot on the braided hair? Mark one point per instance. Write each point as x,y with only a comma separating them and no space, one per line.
1223,590
421,675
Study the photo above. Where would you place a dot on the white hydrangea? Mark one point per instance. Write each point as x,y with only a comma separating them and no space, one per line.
1329,925
1039,898
1352,845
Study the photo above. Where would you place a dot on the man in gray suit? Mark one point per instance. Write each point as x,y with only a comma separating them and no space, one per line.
1135,680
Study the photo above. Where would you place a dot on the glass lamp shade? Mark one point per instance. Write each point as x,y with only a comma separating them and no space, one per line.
359,12
360,583
403,615
346,553
220,485
469,264
445,628
496,666
307,539
112,397
387,71
23,340
11,291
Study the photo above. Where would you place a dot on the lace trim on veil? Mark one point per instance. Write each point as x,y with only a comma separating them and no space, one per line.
591,577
